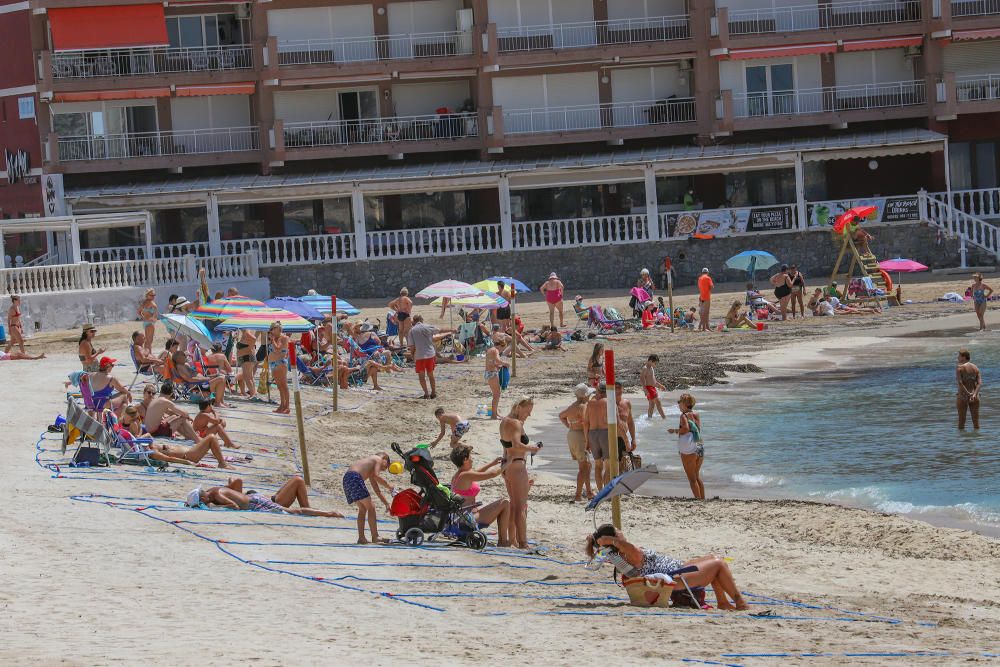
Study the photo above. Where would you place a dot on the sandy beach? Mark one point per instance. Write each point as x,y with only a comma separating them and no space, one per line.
106,566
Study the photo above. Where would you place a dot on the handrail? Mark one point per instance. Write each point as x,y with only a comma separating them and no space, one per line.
974,230
823,15
292,250
581,34
163,142
381,130
977,87
374,47
960,8
596,116
979,202
830,98
154,60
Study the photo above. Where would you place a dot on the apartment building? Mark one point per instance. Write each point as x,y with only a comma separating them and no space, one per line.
240,121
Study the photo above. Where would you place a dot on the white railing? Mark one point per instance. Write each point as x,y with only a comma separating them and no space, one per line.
146,144
381,130
982,202
291,250
228,267
373,48
964,225
41,260
596,116
829,99
975,7
573,232
130,62
160,251
592,33
458,240
824,15
977,87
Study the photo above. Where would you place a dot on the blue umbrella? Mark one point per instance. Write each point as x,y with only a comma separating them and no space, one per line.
323,305
623,484
750,261
521,287
298,306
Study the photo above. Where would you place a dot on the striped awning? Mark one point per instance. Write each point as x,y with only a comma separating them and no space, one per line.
216,89
782,51
969,35
97,95
884,43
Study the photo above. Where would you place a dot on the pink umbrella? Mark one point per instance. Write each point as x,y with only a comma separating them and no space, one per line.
900,265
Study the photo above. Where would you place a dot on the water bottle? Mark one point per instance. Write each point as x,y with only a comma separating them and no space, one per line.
481,410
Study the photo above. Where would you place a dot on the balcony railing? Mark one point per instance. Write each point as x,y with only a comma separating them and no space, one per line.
292,250
592,33
975,7
977,87
131,62
138,252
574,232
434,241
823,15
374,48
830,99
381,130
596,116
149,144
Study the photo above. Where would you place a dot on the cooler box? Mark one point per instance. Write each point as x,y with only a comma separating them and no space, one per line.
3,334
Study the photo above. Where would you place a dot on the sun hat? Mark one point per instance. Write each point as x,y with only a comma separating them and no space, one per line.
366,326
193,497
106,361
89,327
553,275
705,270
578,298
311,292
644,272
582,390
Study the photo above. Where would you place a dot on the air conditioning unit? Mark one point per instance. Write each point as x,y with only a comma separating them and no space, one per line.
243,11
911,52
686,65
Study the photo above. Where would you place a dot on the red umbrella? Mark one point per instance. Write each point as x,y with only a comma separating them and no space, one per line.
848,216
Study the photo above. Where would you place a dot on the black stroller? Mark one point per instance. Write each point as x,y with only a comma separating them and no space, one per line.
433,511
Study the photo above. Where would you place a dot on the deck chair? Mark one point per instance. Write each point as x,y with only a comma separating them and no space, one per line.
90,429
145,371
93,404
132,451
598,320
311,377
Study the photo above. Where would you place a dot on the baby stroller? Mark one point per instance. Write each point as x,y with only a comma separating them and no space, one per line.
434,510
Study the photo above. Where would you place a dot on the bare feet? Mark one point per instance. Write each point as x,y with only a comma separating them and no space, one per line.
225,466
362,540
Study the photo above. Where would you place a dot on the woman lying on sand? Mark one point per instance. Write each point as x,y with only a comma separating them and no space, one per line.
231,495
712,570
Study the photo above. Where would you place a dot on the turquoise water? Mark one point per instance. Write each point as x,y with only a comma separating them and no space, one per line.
883,437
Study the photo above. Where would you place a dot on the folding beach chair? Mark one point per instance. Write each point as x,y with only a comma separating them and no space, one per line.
311,377
145,371
90,429
132,451
597,320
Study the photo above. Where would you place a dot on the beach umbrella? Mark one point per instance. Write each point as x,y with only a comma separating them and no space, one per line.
185,325
262,319
900,265
750,261
450,289
297,306
623,484
490,284
848,216
323,305
222,309
488,301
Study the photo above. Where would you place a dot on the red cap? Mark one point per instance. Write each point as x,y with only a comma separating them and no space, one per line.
107,361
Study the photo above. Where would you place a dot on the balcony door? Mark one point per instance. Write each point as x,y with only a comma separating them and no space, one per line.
770,89
357,107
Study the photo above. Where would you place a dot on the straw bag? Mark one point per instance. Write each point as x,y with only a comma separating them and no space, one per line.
648,592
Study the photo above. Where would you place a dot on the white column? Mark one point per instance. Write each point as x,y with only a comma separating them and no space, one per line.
147,231
506,226
214,235
800,193
652,205
74,241
360,230
3,252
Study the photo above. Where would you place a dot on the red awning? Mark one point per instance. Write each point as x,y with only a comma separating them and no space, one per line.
107,27
884,43
216,89
782,51
131,94
967,35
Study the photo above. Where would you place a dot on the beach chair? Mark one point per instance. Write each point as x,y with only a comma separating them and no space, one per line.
145,371
309,376
90,429
598,320
582,314
93,404
132,451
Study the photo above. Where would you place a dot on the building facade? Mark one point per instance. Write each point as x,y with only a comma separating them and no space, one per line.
238,122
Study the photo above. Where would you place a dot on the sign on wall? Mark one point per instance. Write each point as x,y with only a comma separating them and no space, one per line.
53,197
725,221
888,209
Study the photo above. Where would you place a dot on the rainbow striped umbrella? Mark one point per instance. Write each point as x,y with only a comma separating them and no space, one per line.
450,289
323,305
488,301
223,309
262,319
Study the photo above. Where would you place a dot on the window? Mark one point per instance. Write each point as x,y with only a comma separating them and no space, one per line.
770,89
318,216
206,30
973,165
760,188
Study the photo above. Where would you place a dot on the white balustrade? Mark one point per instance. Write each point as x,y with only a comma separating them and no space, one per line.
162,250
144,61
591,33
291,250
959,223
977,87
830,99
982,203
148,144
422,242
974,7
381,130
823,15
573,232
373,48
596,116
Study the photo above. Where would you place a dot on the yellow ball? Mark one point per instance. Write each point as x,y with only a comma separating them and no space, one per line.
395,467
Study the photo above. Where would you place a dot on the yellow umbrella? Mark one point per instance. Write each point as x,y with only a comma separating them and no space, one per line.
487,300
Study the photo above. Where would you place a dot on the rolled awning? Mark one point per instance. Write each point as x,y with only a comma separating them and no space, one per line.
782,51
107,27
216,89
969,35
884,43
95,95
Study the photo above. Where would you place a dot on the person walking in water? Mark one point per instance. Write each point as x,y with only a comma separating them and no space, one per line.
689,444
981,293
970,382
652,387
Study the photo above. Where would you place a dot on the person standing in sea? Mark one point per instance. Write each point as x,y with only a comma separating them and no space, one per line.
970,382
689,444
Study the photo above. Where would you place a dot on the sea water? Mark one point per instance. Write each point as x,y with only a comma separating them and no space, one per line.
883,436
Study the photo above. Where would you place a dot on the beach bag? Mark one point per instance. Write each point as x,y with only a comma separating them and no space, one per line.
648,591
261,353
504,377
87,456
681,598
629,461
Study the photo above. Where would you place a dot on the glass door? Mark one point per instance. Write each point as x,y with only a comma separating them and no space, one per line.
770,89
756,77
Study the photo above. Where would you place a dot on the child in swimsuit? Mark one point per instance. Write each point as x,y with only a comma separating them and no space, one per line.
458,425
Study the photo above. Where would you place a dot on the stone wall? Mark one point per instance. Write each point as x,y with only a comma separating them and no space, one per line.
615,266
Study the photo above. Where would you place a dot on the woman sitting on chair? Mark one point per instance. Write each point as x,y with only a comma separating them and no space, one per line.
711,569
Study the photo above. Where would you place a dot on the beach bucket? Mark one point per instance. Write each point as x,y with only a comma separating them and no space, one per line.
459,357
760,326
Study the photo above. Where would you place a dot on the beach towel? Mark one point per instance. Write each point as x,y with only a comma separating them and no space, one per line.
504,377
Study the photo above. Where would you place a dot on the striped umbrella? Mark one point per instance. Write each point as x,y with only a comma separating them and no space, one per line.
322,304
262,319
490,284
451,289
488,301
223,309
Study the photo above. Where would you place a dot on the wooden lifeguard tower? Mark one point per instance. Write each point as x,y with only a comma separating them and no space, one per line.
867,267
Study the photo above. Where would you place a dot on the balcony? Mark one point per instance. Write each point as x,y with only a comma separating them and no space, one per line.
822,16
381,130
137,62
831,99
592,33
618,115
961,8
977,87
345,50
157,144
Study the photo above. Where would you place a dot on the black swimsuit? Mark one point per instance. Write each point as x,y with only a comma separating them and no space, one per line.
507,444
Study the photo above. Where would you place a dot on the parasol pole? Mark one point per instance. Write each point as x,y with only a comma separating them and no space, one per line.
670,292
609,382
336,355
513,329
298,413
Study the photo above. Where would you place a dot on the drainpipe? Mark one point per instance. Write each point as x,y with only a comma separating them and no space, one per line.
800,193
214,235
147,229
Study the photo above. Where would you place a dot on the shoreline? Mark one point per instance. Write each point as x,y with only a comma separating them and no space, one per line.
828,353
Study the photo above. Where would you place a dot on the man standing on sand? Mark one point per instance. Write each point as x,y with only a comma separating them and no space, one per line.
422,347
595,430
705,285
367,469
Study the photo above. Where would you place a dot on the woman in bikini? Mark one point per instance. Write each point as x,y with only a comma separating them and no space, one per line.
15,328
465,483
403,306
246,357
89,355
277,363
130,427
492,376
981,292
798,281
148,313
103,385
516,449
552,289
572,419
595,365
970,382
689,444
735,319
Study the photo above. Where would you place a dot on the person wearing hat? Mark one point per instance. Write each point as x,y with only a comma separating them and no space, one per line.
181,305
103,386
89,354
232,496
552,289
705,286
572,418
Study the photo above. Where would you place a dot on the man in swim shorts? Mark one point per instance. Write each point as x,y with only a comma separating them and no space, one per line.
652,388
595,429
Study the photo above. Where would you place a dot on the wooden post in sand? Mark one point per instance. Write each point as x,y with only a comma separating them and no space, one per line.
668,269
298,413
336,356
513,331
609,383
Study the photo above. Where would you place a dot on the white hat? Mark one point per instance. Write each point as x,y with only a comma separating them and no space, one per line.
181,301
366,326
311,292
193,497
582,390
644,272
553,275
705,270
